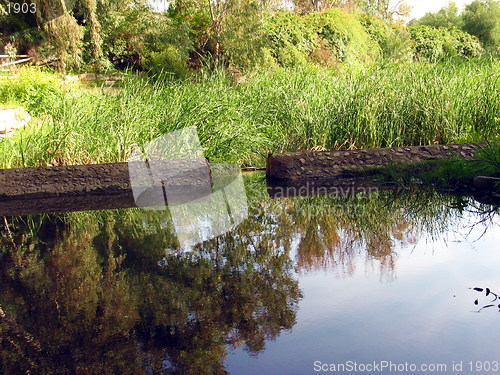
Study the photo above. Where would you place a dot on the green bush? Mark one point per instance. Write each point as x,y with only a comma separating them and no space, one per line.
36,90
438,44
140,39
466,44
395,41
327,37
170,60
288,36
345,35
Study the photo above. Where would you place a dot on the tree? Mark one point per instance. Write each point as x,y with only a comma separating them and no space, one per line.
383,8
448,17
90,7
482,19
225,31
307,6
65,33
65,41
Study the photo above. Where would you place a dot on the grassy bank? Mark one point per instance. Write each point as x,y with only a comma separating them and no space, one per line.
282,110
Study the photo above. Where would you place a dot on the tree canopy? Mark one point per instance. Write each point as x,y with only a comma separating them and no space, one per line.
100,35
480,18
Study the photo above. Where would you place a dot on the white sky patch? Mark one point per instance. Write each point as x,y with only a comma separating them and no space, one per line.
159,5
420,7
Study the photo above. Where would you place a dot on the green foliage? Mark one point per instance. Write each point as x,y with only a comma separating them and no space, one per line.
447,17
170,60
451,174
244,34
289,55
242,39
399,46
482,19
223,32
489,158
122,29
135,37
439,44
65,42
283,110
36,90
345,35
290,39
195,15
327,37
394,40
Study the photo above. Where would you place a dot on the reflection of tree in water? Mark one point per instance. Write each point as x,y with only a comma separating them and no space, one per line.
334,231
102,297
108,292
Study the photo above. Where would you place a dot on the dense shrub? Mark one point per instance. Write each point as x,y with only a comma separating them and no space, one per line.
170,60
345,35
394,40
438,44
34,89
290,38
136,38
326,37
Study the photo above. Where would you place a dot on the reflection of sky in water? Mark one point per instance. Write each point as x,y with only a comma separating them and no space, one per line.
199,221
196,222
422,315
170,169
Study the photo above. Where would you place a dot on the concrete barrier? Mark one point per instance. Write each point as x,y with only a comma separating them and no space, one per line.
98,186
328,164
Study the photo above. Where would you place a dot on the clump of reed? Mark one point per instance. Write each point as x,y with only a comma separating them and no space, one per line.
268,111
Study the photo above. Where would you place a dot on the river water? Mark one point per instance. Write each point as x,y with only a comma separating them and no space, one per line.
346,284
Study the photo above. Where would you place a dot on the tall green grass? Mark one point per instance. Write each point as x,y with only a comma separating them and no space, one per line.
270,111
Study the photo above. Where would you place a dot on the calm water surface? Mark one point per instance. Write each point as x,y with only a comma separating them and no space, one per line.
417,310
302,285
